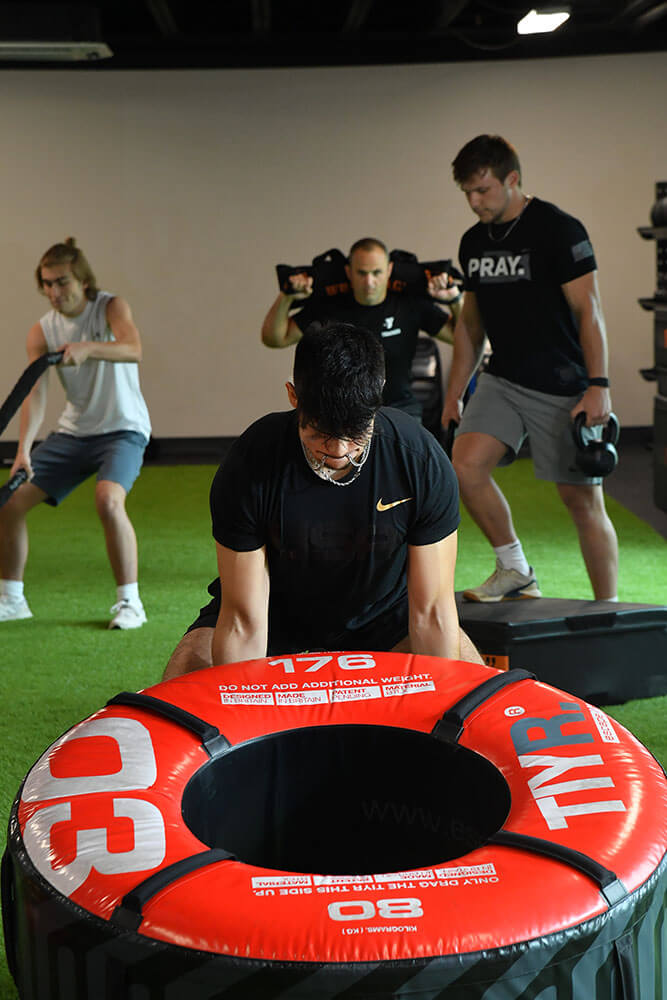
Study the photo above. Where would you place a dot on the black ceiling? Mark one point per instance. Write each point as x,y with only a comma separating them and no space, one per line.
265,33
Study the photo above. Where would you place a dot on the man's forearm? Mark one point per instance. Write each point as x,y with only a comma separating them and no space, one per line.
465,361
233,645
114,350
436,632
455,309
583,298
32,416
596,400
276,322
593,341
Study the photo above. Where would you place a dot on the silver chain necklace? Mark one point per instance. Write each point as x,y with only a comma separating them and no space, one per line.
513,223
322,472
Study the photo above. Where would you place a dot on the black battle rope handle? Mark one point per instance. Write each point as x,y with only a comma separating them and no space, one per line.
212,739
25,384
11,485
450,726
607,881
128,914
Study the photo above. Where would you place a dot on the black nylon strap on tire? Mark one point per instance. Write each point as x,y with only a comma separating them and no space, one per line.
450,726
608,882
25,384
212,739
129,912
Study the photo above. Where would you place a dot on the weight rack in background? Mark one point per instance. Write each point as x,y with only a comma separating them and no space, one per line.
658,306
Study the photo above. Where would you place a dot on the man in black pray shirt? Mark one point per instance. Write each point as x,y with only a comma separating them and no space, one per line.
394,317
531,288
335,523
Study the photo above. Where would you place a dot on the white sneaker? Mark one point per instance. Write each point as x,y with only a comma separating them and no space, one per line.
505,585
11,608
127,614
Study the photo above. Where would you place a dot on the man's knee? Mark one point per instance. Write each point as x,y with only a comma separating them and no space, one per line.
475,456
20,503
584,502
192,653
109,500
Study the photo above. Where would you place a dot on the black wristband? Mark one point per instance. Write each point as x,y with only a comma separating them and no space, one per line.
602,382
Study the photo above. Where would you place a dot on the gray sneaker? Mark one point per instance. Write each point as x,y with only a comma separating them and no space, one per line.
505,585
12,609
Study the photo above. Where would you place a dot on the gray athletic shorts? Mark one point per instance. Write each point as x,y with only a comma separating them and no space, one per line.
511,413
62,462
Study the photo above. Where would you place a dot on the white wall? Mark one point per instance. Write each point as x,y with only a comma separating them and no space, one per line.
185,188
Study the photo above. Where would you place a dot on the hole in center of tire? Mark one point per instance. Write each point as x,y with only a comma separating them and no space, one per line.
346,800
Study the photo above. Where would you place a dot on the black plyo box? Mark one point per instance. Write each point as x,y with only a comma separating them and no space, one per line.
605,653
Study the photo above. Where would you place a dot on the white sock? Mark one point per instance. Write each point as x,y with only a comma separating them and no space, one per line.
12,589
511,556
612,599
128,592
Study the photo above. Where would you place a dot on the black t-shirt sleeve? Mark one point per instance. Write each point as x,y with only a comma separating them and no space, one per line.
571,250
234,503
439,510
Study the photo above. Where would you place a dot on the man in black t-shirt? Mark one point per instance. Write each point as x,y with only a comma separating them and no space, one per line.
395,317
335,523
531,288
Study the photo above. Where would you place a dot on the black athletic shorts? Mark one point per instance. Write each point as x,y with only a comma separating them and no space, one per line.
382,634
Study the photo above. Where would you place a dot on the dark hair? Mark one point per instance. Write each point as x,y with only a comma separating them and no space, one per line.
368,243
69,253
486,152
338,379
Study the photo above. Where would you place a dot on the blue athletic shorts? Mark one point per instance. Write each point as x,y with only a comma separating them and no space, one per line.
62,462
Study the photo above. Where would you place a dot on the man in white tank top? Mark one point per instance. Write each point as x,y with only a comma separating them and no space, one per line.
104,427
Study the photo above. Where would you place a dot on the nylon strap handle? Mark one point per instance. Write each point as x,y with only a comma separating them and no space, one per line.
450,727
128,915
212,739
607,881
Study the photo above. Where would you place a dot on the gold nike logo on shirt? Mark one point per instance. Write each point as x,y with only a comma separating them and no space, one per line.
381,505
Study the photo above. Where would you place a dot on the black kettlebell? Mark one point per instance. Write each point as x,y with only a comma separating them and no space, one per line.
596,458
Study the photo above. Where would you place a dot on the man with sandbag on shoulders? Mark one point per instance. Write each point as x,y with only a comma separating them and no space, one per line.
394,317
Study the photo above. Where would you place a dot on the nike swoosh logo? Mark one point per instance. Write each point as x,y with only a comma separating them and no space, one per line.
387,506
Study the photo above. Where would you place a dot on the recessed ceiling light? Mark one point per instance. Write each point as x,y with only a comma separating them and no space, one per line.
544,19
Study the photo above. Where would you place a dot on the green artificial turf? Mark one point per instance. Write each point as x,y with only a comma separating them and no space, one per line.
64,664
